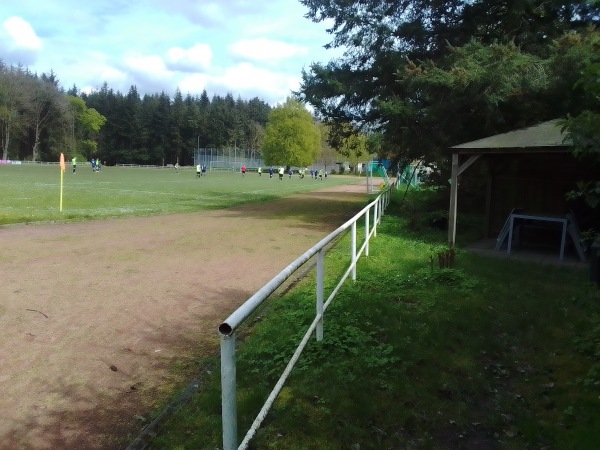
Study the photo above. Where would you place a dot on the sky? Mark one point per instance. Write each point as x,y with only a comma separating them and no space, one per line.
249,48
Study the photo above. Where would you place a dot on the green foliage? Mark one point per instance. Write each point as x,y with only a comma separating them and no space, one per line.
291,136
32,122
572,63
486,73
88,148
583,129
348,337
88,119
476,76
429,75
343,142
456,278
588,344
353,145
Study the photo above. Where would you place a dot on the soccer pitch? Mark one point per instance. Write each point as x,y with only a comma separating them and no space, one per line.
32,192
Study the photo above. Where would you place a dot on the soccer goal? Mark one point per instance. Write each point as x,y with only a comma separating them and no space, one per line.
377,177
222,166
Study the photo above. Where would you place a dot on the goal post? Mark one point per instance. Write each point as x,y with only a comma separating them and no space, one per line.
222,166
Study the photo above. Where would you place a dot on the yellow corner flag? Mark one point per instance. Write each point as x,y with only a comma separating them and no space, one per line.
62,171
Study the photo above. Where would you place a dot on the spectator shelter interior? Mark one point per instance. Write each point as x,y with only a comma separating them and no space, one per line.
529,172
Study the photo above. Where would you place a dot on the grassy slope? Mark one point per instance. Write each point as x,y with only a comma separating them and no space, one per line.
488,354
31,193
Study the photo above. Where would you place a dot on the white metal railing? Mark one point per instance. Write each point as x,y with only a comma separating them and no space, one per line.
228,327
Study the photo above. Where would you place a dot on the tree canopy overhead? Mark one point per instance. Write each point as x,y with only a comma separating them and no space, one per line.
584,131
429,74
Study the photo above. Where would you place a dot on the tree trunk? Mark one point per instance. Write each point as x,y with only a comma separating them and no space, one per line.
5,140
36,142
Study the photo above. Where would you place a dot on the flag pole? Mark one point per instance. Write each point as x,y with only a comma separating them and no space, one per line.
62,171
61,188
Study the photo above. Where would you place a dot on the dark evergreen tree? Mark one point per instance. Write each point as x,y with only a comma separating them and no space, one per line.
180,151
386,80
38,120
203,123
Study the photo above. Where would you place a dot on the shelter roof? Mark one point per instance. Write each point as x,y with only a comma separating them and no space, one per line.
543,137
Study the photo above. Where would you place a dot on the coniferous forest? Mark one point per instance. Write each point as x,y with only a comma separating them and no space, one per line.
39,120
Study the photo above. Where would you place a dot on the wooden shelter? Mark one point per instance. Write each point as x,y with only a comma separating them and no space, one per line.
530,170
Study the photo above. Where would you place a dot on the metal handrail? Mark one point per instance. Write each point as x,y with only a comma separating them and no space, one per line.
230,325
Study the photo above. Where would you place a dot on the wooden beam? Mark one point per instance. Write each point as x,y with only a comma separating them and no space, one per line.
464,166
456,171
453,201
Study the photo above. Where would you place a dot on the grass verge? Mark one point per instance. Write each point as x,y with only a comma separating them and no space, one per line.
490,353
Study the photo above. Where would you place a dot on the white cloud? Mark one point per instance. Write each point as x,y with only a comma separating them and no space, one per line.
246,78
92,68
198,57
217,14
262,49
193,84
254,49
22,34
110,74
245,75
92,75
151,65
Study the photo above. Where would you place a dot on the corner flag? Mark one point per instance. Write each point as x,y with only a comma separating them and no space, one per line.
63,167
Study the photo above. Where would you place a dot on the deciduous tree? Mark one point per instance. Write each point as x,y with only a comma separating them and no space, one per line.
291,137
12,103
44,109
86,123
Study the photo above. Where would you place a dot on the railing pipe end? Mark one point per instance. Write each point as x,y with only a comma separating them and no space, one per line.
225,329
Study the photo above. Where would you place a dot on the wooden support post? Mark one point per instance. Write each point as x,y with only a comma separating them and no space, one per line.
456,171
453,201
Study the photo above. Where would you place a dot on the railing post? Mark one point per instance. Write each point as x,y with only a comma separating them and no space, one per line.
367,231
320,292
228,392
228,327
375,218
354,251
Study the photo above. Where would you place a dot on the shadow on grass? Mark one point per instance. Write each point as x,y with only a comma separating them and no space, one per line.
314,210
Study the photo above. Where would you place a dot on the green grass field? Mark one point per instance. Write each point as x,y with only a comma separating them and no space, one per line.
31,193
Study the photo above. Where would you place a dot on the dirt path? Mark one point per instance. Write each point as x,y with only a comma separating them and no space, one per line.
94,314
